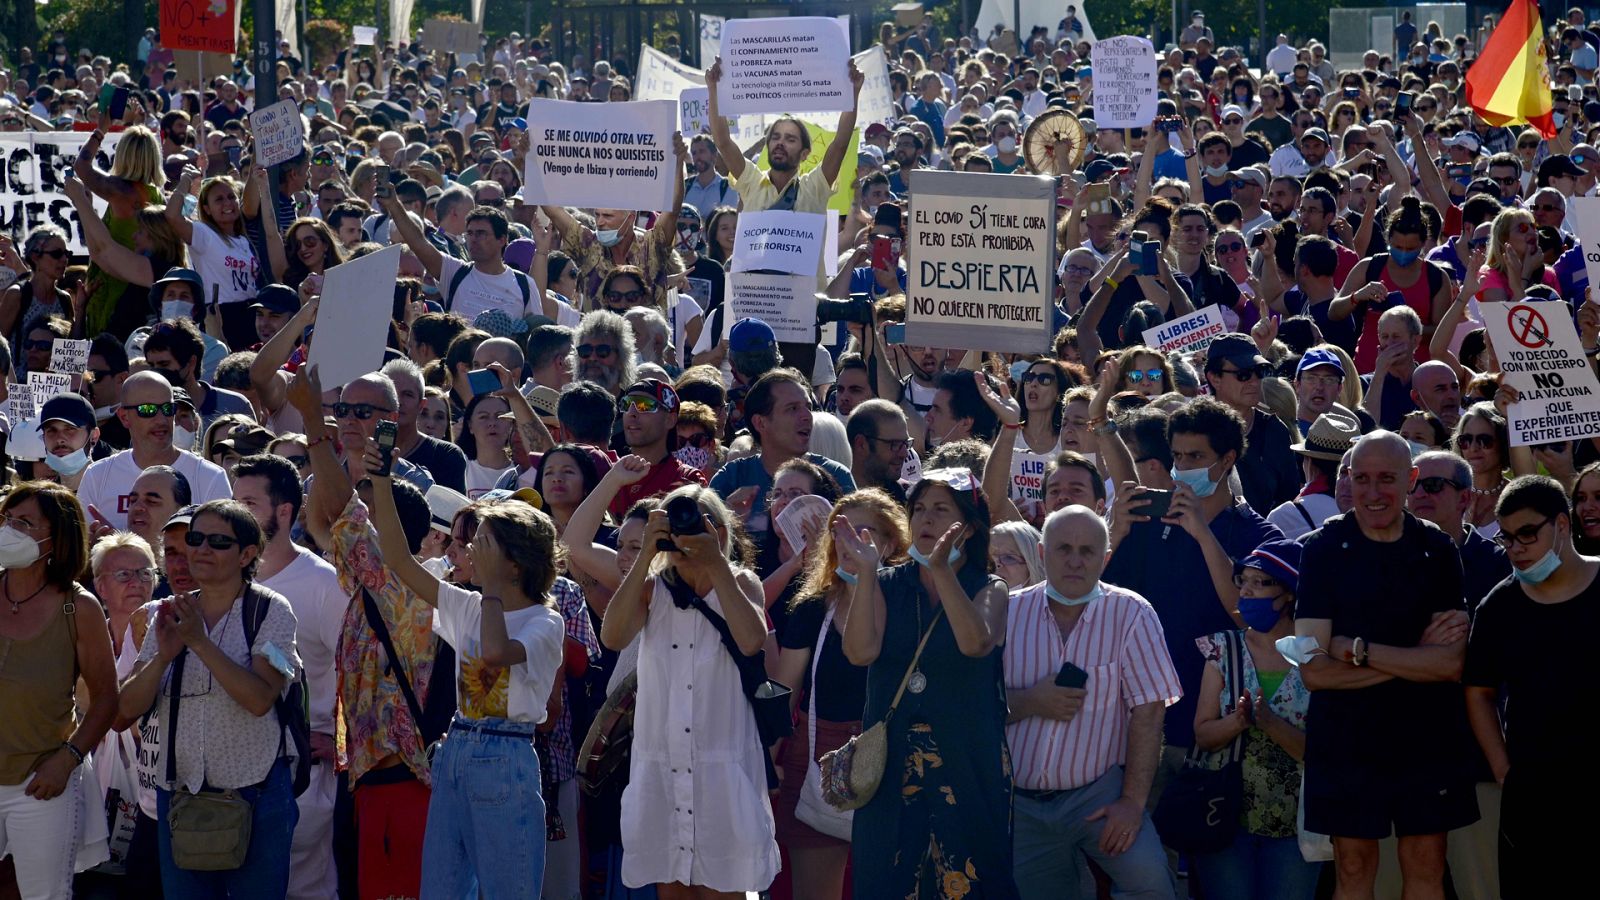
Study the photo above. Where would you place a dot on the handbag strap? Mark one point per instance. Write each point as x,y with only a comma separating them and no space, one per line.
811,695
381,628
906,678
175,686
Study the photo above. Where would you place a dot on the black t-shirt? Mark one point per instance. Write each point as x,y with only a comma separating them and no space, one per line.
444,461
1386,593
1483,565
1270,472
1537,655
1249,153
715,277
843,686
1128,293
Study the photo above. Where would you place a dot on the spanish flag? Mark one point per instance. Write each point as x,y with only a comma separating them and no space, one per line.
1510,81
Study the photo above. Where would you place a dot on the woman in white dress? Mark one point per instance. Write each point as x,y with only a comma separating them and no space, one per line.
695,817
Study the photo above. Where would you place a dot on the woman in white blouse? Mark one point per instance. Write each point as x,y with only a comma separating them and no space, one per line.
196,660
695,817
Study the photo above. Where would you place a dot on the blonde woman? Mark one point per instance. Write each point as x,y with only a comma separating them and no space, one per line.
220,250
134,182
153,248
1515,262
1017,554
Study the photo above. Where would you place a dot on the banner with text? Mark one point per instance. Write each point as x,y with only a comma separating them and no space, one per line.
796,64
710,38
694,112
33,168
786,302
1585,219
449,36
611,156
206,25
778,240
981,261
1124,82
1542,357
1194,331
279,132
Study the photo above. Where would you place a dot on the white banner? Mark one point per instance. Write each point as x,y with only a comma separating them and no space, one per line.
1124,82
778,240
400,21
287,30
788,303
663,78
981,253
365,35
610,156
710,38
1586,221
1194,331
1047,13
796,64
353,318
33,168
279,132
1541,356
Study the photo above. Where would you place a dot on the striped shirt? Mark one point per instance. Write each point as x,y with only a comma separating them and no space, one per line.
1118,641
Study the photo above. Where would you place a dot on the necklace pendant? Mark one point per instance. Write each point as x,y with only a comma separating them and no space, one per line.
918,682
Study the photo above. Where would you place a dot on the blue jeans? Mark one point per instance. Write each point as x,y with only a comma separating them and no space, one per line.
265,873
486,830
1052,836
1257,868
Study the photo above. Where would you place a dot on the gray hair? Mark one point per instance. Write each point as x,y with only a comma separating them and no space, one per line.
1412,320
404,367
828,438
452,197
40,236
119,540
1030,543
604,321
1460,469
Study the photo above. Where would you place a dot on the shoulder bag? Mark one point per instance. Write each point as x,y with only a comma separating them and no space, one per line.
851,774
1199,810
812,808
605,749
210,829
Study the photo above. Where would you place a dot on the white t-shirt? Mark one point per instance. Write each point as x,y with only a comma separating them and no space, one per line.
483,691
480,293
481,478
106,482
312,588
1293,525
226,264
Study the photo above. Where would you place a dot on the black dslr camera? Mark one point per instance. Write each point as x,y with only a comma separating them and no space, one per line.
683,517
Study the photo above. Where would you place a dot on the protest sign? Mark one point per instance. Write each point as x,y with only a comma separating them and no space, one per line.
205,25
450,36
663,78
1542,357
694,112
778,240
1194,331
981,256
710,38
1124,82
1027,477
69,356
19,402
33,169
786,302
48,384
609,156
1586,220
795,64
353,319
365,35
278,131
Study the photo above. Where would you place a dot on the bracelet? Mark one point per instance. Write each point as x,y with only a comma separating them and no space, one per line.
76,753
1591,351
321,440
1016,427
1111,281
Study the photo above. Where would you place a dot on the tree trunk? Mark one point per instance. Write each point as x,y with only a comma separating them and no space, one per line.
25,30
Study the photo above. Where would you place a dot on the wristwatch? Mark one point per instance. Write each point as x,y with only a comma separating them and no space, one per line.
1358,652
1109,427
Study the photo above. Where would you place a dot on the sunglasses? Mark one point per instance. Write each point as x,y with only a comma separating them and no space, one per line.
1507,180
216,541
99,374
1485,441
1527,146
1045,379
1238,184
1437,484
624,296
599,351
1478,243
698,439
1232,246
298,461
1243,375
57,253
322,159
38,345
643,403
1548,207
151,410
1137,376
362,411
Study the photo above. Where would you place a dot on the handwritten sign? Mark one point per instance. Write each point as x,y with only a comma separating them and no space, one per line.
205,25
694,112
982,261
279,132
33,170
786,302
365,35
795,64
1194,331
1124,82
19,402
778,241
609,156
1542,357
48,384
69,356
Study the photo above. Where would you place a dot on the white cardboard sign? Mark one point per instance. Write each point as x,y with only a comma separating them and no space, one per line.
279,132
604,155
1194,331
694,111
48,384
19,402
1586,221
365,35
788,303
777,240
1542,357
353,317
1124,82
69,356
794,64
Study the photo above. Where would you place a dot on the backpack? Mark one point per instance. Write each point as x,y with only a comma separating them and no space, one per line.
461,275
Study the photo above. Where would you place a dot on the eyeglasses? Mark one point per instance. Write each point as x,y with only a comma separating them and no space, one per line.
39,344
624,296
1078,270
599,351
57,253
1322,380
151,410
1257,581
643,403
362,411
1232,246
1244,375
1548,207
297,460
1136,376
1468,439
1009,559
1524,535
215,541
1436,484
896,445
1045,379
144,575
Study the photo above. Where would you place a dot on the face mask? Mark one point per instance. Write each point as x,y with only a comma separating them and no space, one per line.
608,237
68,465
1539,571
1558,119
1417,448
1056,596
693,457
1007,144
17,550
1404,258
1296,649
176,309
1216,171
924,559
182,438
844,576
1258,613
1199,480
871,211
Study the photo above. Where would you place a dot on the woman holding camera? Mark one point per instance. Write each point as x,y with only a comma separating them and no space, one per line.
695,817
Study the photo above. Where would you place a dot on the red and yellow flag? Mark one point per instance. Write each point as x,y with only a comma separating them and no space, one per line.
1510,81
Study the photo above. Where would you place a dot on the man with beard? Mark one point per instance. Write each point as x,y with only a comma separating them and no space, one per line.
1309,151
1248,186
603,351
649,422
1436,389
707,190
880,444
908,149
1283,197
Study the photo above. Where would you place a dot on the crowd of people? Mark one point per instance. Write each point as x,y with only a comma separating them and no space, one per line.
596,590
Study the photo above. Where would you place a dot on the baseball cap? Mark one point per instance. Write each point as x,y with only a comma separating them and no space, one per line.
1278,559
1314,134
70,408
1253,175
1464,139
1317,356
1097,170
875,129
181,517
653,387
749,335
1559,166
1234,109
279,298
181,397
1236,348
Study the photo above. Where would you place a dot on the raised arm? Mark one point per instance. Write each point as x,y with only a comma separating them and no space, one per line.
979,621
391,534
997,468
106,187
174,211
630,605
864,624
330,484
119,261
271,234
427,254
732,156
265,370
834,157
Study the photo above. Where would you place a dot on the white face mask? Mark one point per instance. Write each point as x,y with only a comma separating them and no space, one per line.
69,465
17,550
1216,171
176,309
182,438
1007,144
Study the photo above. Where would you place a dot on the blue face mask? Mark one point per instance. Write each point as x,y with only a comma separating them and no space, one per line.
1057,597
924,559
68,465
1417,449
608,237
1404,258
1199,480
844,576
1258,613
1539,571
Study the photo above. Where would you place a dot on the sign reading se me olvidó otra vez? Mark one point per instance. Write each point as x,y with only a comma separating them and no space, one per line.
980,261
1542,357
600,155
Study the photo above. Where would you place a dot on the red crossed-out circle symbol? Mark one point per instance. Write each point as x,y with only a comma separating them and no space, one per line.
1528,326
